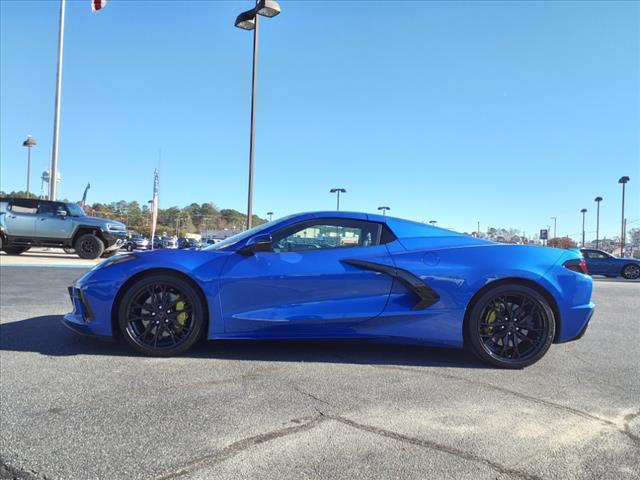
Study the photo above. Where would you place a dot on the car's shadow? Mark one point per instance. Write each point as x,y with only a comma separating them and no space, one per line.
48,336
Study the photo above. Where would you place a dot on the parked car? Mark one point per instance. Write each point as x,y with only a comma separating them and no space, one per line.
371,277
137,242
600,262
168,242
27,222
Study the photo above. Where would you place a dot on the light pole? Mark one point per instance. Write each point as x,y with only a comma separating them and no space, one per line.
623,181
555,223
384,210
249,21
56,117
433,222
270,215
598,200
337,191
583,211
29,143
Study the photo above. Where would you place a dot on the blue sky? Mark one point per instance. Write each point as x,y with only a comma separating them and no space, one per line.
507,112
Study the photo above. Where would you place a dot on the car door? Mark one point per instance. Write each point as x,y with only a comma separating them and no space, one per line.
53,221
304,287
20,218
597,262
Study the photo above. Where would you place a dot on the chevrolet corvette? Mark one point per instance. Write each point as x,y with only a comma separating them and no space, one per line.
338,275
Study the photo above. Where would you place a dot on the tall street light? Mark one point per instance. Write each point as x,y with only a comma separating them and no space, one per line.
384,210
338,191
433,222
555,223
597,200
583,211
29,143
270,215
623,181
249,21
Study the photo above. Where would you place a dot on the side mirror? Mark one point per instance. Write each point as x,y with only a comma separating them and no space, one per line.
259,243
62,213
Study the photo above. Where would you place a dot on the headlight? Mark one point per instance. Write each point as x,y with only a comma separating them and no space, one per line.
115,226
115,260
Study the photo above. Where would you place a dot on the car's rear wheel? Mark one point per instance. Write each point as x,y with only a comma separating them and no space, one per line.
511,326
89,246
15,250
161,315
129,247
631,272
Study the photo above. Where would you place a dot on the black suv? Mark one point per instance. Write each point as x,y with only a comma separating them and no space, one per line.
26,222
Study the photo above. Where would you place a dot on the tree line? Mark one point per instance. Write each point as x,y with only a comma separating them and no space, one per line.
193,218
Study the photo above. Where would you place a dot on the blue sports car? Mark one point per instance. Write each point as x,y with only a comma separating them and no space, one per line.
603,263
329,275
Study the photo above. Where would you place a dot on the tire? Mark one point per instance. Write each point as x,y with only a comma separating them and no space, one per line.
505,320
144,308
15,250
129,247
89,246
631,271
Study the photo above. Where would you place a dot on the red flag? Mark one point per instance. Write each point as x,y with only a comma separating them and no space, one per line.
97,5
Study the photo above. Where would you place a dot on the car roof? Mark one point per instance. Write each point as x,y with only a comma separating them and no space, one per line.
400,227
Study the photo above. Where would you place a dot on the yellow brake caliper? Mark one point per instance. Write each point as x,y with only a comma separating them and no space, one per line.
182,316
493,314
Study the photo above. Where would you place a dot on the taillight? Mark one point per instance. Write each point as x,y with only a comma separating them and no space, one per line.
577,265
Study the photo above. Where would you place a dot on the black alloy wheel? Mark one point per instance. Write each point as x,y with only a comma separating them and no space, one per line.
162,315
511,326
631,272
89,246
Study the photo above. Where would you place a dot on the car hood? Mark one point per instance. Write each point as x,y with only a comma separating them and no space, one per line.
99,222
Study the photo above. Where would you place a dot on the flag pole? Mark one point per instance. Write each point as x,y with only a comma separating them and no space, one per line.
56,118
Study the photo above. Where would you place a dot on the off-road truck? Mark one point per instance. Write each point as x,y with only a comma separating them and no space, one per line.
27,222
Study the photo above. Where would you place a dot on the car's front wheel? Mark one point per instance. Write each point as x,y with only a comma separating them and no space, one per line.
631,272
161,315
511,326
89,246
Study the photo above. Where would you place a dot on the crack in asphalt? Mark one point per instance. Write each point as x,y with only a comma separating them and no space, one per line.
9,472
623,429
304,424
310,395
627,426
431,445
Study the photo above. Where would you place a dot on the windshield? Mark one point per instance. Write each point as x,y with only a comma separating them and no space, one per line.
227,242
75,210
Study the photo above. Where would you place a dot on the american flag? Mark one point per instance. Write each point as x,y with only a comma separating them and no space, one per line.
97,5
154,204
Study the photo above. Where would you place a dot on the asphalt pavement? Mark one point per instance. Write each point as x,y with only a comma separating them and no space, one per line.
73,407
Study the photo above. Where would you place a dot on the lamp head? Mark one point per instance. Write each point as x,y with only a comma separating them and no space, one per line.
598,199
246,20
29,142
624,179
268,8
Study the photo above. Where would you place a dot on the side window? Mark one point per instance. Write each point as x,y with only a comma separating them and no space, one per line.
327,233
598,255
46,209
24,206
